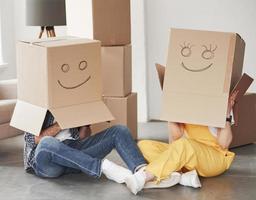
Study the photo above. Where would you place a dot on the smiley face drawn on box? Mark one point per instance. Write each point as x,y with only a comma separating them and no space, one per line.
74,74
65,69
196,59
208,53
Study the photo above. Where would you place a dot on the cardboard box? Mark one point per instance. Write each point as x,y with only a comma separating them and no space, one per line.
117,70
62,75
245,131
108,21
202,68
125,112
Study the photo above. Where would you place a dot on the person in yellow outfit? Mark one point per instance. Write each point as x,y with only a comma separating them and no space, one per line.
202,150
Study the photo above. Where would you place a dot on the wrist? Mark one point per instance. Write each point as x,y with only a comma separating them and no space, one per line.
229,119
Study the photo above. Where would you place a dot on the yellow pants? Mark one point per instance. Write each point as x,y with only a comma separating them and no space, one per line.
186,153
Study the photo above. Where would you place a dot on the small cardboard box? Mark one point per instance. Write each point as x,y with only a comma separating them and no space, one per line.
62,75
125,112
202,68
117,70
108,21
245,131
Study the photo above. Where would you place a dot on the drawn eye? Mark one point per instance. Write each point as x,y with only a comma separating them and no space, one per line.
186,49
65,68
208,53
83,65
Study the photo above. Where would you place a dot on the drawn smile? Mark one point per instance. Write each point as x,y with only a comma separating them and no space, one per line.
196,70
76,86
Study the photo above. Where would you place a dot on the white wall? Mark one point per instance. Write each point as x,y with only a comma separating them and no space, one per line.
219,15
14,29
75,12
139,57
8,34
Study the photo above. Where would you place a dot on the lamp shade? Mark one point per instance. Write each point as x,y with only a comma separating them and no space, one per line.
45,13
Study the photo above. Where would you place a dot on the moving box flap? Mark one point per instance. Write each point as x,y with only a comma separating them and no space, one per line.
51,39
28,117
241,88
58,41
161,71
82,114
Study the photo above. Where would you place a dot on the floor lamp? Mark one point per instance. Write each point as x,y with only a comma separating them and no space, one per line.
46,14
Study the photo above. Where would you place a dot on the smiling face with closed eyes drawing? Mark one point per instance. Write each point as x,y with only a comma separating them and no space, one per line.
196,59
207,54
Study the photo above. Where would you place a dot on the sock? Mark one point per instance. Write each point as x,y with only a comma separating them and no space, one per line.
190,179
136,182
172,180
114,172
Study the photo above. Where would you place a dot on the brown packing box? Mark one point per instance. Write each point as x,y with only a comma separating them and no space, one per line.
245,131
125,112
117,70
62,75
202,68
108,21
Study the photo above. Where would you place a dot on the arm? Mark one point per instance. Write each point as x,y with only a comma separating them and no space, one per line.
176,131
53,130
85,131
224,135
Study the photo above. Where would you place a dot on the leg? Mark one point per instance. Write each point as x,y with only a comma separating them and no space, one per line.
152,149
117,137
179,153
210,161
53,157
206,160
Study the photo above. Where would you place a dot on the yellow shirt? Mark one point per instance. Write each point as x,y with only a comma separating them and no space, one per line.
203,135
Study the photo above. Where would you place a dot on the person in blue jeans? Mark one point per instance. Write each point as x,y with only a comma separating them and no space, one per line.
56,152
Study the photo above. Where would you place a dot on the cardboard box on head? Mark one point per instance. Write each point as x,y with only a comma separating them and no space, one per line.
62,75
202,68
244,110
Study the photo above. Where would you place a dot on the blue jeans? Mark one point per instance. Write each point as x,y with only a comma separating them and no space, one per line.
54,158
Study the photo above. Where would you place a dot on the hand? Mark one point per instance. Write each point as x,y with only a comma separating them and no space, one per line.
84,132
52,130
231,102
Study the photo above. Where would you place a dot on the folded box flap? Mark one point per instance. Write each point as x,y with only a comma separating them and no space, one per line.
58,41
82,114
47,40
161,71
28,117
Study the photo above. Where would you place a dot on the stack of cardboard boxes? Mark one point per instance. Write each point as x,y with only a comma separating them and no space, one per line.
116,61
110,22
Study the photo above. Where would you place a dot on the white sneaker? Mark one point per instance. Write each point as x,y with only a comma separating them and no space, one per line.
172,180
114,172
190,179
136,182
